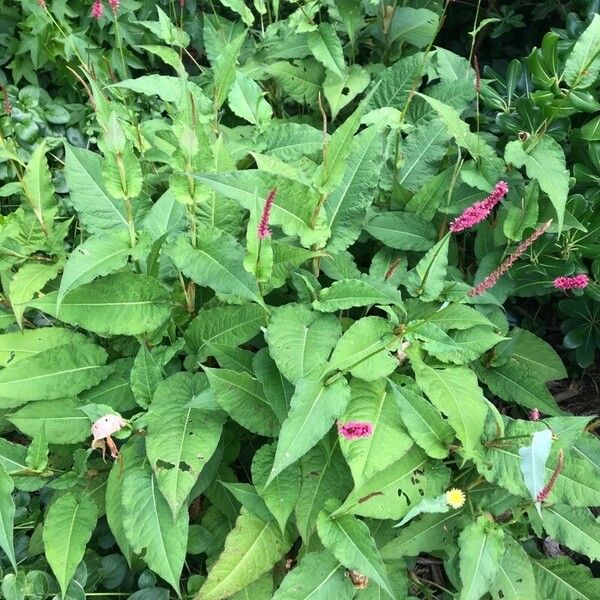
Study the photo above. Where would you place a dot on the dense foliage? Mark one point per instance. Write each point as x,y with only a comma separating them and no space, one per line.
269,277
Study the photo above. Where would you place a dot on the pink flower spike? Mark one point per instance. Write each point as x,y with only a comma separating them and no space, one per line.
354,430
114,5
42,3
97,9
263,226
543,494
574,282
534,415
480,210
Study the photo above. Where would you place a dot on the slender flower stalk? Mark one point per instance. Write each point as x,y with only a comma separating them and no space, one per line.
492,279
480,210
574,282
353,430
97,9
263,226
545,491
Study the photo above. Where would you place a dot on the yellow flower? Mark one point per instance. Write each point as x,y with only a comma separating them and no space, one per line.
455,498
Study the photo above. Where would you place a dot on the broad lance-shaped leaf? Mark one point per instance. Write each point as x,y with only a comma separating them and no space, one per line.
397,81
544,161
371,402
515,579
300,339
293,207
68,526
251,549
346,206
314,408
215,262
454,392
401,230
37,187
7,516
281,495
327,48
364,349
533,465
145,376
576,528
350,541
481,549
319,576
98,255
55,373
26,282
119,304
325,476
244,399
149,526
259,589
98,212
246,101
348,293
224,69
562,579
181,439
583,63
426,280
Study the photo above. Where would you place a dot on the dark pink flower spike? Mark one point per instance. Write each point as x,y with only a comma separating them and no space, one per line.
574,282
492,279
534,415
263,225
353,430
97,9
480,210
545,491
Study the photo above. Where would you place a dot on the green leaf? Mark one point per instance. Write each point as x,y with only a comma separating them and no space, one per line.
149,525
422,151
68,527
216,262
582,66
145,376
458,316
364,349
397,81
319,576
12,456
300,339
224,69
244,400
371,402
278,389
454,392
561,579
347,293
167,55
424,423
417,26
340,91
225,325
59,421
314,408
246,101
37,187
248,497
576,528
514,382
514,580
327,48
282,493
260,589
534,458
290,141
301,80
401,230
166,216
119,304
481,550
390,493
7,516
251,549
325,476
98,212
346,206
99,255
544,161
427,279
55,373
180,439
27,281
350,541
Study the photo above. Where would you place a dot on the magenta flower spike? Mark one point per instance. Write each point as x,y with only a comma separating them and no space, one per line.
263,225
480,210
573,282
97,9
354,430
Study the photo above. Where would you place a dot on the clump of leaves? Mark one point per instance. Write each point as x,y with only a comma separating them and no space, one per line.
296,363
